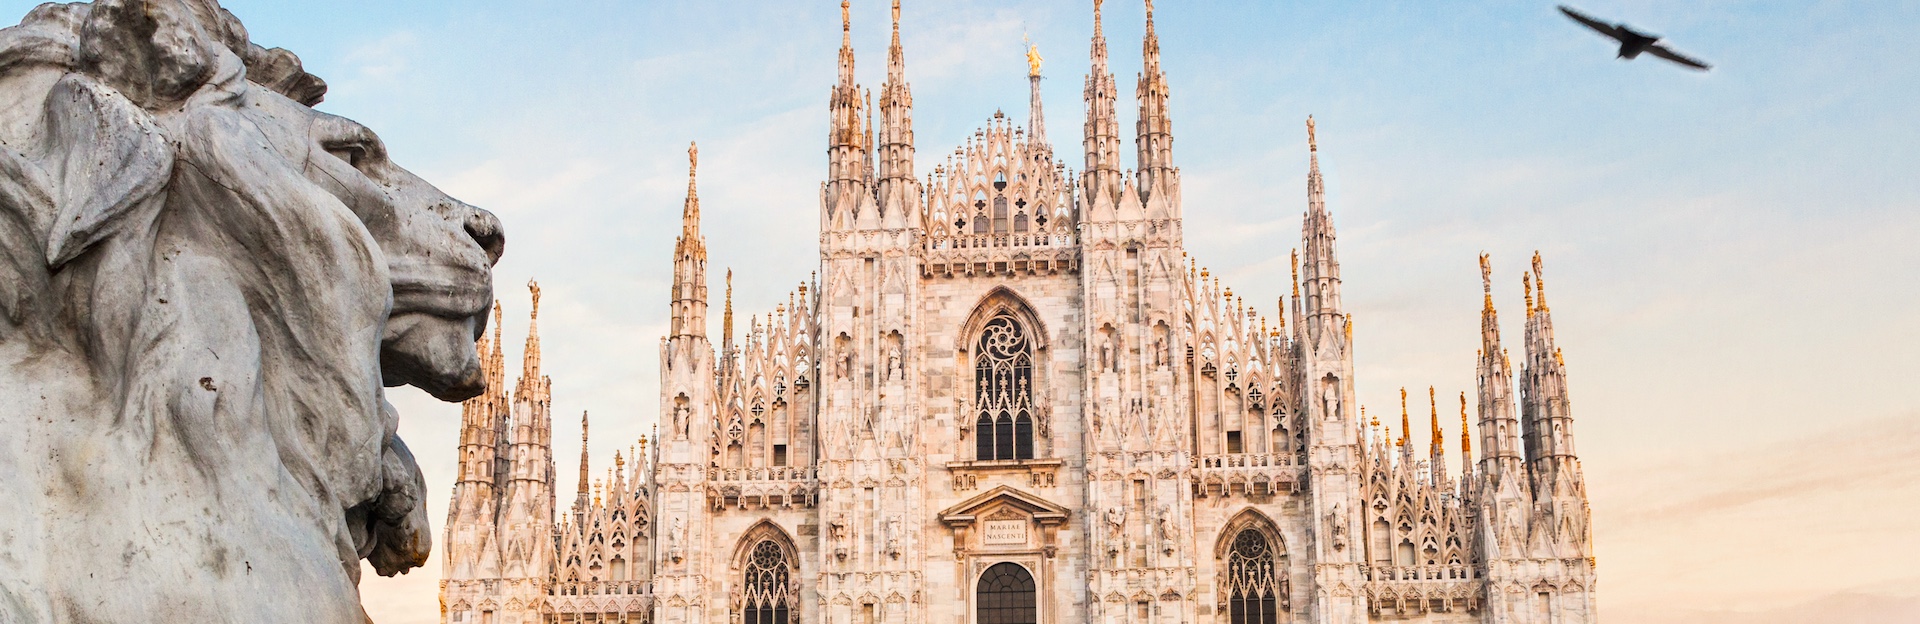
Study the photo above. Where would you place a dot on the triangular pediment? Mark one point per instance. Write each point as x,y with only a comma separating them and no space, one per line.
1041,509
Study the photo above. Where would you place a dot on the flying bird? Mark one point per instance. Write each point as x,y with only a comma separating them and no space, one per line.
1633,42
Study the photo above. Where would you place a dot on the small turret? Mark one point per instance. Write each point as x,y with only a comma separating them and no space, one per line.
1154,137
898,189
1102,179
1499,430
848,139
580,499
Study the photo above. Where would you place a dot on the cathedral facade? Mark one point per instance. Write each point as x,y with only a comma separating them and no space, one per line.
1009,396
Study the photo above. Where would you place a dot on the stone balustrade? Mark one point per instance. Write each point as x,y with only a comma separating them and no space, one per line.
1243,474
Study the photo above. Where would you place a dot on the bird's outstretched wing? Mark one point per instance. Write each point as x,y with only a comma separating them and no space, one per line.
1666,53
1603,27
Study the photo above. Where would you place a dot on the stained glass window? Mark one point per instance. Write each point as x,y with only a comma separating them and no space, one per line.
768,589
1003,382
1252,588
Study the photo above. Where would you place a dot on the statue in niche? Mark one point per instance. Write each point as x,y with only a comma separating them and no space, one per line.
1115,517
676,539
1337,527
172,202
1159,351
1330,398
893,533
837,529
1108,359
893,363
681,421
1169,533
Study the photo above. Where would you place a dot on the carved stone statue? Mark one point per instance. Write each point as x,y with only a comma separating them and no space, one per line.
1115,517
837,531
1169,532
676,540
1337,527
894,535
680,421
204,286
1330,399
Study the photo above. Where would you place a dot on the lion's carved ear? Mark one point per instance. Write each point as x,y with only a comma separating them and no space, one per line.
106,157
156,52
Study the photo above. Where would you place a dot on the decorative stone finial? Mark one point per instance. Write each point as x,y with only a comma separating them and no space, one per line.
1433,416
1404,423
846,17
1296,273
1466,440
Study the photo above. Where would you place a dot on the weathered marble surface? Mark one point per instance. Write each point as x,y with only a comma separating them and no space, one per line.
204,285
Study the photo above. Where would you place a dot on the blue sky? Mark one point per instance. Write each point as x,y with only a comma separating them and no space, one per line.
1730,255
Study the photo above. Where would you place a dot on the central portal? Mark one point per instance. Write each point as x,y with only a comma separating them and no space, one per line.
1006,596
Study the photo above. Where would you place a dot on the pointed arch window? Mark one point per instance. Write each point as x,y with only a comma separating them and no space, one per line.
767,586
1003,391
1252,587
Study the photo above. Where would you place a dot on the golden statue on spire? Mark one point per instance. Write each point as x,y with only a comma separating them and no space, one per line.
534,287
1033,57
1312,145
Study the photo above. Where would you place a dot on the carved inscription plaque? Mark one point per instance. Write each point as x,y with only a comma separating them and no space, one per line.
1006,532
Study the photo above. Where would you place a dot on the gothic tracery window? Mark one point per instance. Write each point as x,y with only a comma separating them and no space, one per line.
768,589
1003,391
1253,588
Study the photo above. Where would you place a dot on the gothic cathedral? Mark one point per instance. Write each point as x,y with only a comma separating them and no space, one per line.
1009,397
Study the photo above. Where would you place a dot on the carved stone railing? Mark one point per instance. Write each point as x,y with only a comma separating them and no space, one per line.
985,241
1418,572
774,486
1000,254
1402,591
1244,460
1242,474
768,473
601,588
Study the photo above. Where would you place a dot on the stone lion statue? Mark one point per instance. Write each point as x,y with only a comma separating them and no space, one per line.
204,286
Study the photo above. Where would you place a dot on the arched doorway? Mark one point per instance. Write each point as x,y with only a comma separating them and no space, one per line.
1006,596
